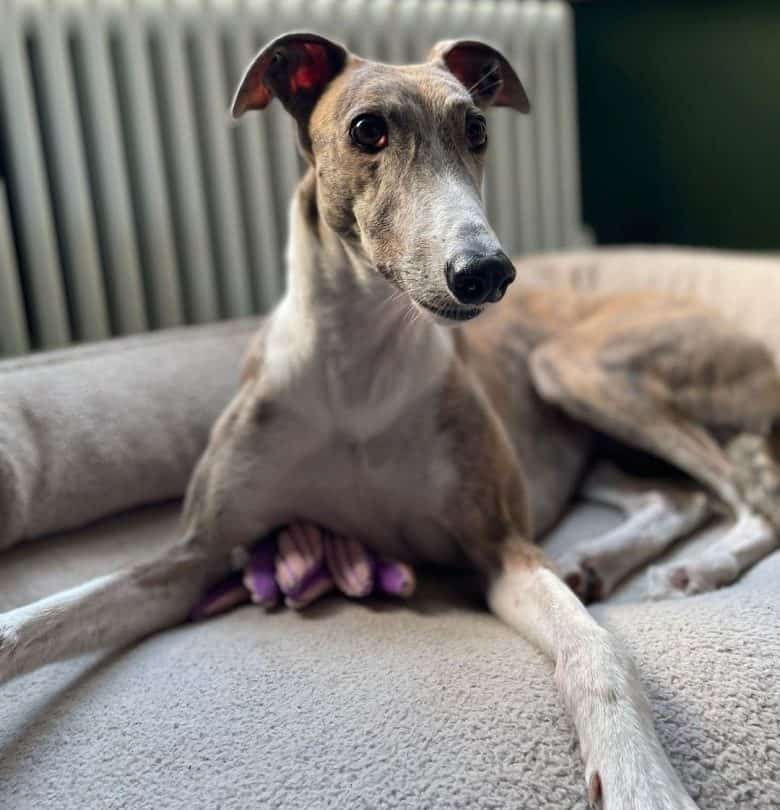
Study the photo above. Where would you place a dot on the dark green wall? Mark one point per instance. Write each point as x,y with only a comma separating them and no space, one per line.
680,121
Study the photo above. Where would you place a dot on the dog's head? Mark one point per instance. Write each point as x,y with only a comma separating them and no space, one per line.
399,158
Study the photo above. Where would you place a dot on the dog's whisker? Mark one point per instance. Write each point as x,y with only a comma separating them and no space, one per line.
491,74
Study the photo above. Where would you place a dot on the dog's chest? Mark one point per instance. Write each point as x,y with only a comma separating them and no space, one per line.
389,489
358,435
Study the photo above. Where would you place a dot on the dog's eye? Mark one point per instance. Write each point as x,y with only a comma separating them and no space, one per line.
476,132
369,133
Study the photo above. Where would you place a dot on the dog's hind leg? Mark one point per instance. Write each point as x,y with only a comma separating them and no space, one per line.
657,514
665,377
750,539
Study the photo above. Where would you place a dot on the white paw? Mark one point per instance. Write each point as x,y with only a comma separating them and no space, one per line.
626,767
637,783
705,574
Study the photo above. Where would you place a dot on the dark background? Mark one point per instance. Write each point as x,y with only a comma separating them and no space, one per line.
679,105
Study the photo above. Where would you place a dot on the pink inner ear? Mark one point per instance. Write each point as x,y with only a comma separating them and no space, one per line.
313,70
304,69
470,69
464,66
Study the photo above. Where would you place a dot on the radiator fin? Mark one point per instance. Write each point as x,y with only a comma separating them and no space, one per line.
13,322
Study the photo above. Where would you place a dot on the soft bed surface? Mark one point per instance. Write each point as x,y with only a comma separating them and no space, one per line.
429,706
432,705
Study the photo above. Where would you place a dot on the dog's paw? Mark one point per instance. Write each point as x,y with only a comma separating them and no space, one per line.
604,796
677,580
626,767
649,786
583,577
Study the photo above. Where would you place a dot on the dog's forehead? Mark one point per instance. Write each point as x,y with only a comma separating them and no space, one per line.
375,87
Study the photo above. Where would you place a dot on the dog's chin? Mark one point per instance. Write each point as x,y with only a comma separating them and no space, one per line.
450,314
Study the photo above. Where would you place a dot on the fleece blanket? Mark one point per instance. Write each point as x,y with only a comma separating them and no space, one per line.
433,704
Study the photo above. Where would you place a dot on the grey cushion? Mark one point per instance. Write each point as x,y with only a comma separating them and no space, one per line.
89,431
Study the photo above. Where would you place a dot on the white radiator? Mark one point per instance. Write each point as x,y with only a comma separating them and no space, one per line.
128,203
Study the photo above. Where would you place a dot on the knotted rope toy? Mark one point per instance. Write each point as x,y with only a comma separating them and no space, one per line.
299,565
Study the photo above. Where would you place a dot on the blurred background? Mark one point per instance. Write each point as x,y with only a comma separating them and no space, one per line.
129,203
679,108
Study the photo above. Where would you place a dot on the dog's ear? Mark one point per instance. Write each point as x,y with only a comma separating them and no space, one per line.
483,71
295,68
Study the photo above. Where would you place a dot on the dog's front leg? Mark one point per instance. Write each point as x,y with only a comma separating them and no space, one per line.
626,767
109,611
229,497
123,607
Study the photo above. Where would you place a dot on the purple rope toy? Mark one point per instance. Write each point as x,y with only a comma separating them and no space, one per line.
301,564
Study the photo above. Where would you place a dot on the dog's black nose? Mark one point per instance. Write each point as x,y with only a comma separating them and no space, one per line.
475,278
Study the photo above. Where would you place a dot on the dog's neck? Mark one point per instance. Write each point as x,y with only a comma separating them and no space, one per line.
348,326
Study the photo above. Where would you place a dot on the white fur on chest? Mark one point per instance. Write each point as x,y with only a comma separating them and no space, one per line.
359,432
344,379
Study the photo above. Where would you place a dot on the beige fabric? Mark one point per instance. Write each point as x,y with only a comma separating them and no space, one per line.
744,287
90,431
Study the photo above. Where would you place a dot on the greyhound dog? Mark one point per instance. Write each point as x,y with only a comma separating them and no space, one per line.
362,410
